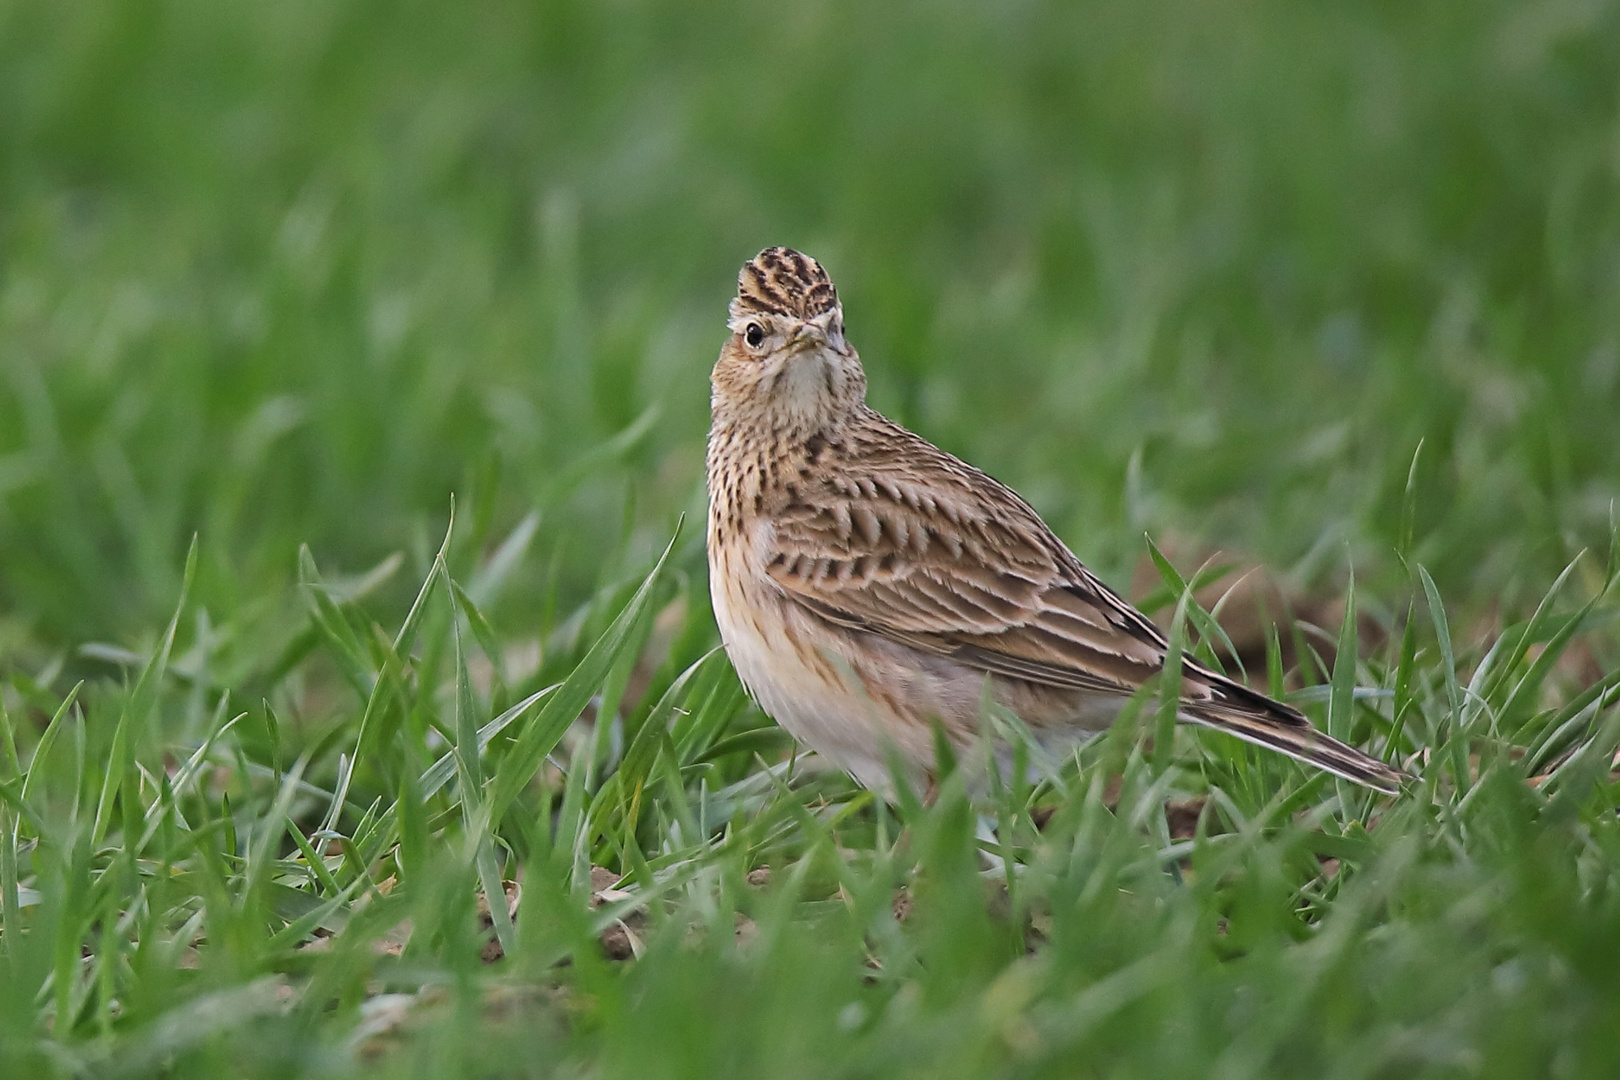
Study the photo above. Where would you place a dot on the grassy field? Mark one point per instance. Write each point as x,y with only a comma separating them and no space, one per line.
1332,289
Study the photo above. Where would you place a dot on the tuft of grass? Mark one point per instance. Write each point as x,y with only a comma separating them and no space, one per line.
675,897
298,779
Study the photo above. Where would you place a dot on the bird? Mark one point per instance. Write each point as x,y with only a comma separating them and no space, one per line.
872,589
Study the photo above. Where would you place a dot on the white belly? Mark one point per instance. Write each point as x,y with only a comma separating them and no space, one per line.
820,699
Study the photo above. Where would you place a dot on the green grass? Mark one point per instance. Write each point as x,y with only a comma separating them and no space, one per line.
1328,287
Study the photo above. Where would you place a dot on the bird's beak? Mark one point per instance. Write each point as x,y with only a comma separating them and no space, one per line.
808,335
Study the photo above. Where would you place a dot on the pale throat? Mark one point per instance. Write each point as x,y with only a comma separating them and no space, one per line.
795,397
806,391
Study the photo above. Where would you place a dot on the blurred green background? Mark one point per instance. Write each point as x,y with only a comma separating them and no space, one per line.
294,272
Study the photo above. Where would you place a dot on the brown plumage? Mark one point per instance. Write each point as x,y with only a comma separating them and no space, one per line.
868,585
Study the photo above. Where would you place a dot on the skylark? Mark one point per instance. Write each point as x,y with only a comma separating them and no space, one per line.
870,586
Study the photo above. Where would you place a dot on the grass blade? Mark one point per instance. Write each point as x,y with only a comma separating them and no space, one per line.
541,734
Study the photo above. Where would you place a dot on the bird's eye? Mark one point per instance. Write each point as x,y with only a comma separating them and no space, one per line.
754,335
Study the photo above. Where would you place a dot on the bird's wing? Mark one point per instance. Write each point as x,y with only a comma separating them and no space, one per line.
912,544
908,542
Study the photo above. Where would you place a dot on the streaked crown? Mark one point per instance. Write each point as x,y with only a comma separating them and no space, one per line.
781,281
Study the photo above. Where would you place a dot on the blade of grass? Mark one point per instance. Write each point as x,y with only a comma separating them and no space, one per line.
439,773
1519,701
10,887
541,734
9,761
488,581
1209,631
1169,704
47,742
1403,542
1404,703
1452,738
637,763
484,634
1341,700
342,642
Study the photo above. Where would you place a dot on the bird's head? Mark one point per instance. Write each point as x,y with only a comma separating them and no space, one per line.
786,364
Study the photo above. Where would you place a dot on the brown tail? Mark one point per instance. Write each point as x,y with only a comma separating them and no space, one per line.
1256,718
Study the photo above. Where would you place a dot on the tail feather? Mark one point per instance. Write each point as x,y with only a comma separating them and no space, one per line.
1289,733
